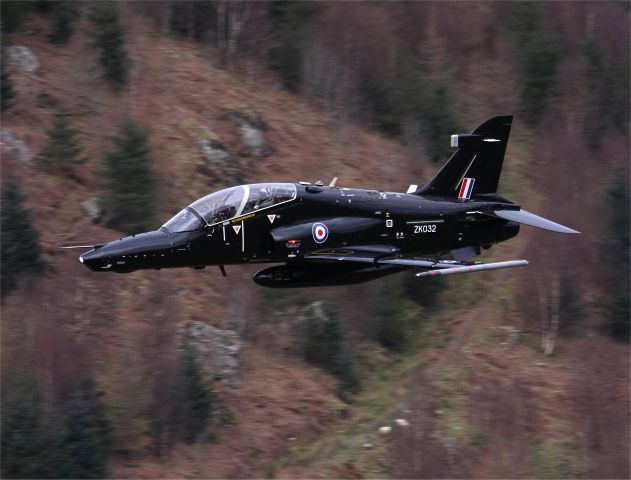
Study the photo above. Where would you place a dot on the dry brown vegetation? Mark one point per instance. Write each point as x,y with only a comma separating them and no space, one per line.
483,404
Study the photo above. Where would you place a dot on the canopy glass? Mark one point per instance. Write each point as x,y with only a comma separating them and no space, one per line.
229,203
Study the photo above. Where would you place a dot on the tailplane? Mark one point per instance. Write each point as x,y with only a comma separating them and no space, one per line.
476,165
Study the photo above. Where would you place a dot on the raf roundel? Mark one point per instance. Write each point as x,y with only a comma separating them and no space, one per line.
320,232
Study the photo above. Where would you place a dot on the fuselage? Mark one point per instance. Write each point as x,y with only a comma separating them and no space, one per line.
321,235
281,223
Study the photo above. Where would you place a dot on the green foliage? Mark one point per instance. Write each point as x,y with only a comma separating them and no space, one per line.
439,122
289,19
108,39
129,402
392,315
570,307
323,336
62,150
403,93
342,367
20,251
619,316
13,13
198,397
608,100
424,293
85,436
618,99
63,15
381,101
618,245
193,19
131,186
556,458
24,437
423,97
6,85
323,342
598,100
71,442
540,57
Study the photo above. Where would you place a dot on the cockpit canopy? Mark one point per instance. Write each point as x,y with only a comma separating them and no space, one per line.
230,203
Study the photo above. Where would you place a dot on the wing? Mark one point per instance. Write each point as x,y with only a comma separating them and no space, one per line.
345,256
385,255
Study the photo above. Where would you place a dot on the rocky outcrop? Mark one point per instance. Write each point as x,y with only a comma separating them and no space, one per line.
314,310
14,145
253,141
217,350
243,114
92,207
23,57
252,126
214,152
219,164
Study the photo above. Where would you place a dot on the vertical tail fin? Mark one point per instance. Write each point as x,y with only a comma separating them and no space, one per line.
476,166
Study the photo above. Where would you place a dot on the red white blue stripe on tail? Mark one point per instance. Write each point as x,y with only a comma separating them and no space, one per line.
466,188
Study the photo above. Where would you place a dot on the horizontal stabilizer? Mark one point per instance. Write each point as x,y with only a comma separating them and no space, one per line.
527,218
474,268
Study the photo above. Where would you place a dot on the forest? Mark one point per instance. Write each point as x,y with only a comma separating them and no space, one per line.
115,115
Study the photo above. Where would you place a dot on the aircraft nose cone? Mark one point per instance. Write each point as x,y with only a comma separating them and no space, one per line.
94,260
129,253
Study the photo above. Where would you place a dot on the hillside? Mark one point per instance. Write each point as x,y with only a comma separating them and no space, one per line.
307,145
470,376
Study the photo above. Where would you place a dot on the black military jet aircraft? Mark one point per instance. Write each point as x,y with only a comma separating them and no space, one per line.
327,235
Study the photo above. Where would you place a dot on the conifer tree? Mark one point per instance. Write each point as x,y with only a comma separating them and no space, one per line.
13,13
108,39
540,57
289,20
6,85
130,199
85,435
198,397
618,247
323,342
23,435
63,15
392,315
61,153
20,251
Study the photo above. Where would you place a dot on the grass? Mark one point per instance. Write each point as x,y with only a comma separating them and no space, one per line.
449,388
557,458
384,381
467,290
371,408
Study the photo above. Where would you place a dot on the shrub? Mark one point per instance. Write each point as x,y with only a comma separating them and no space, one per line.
63,16
540,58
131,197
20,251
323,342
198,397
62,150
108,39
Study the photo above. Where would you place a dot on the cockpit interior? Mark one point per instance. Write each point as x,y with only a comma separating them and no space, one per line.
230,203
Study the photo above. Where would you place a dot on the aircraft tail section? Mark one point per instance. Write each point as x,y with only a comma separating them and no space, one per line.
476,165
